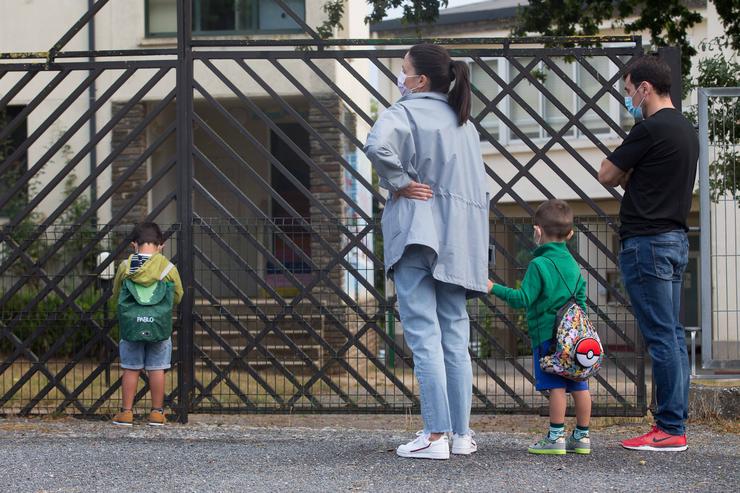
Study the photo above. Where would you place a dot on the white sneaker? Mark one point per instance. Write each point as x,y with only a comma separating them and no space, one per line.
422,448
464,444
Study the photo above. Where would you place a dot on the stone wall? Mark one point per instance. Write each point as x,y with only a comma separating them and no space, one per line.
326,227
124,160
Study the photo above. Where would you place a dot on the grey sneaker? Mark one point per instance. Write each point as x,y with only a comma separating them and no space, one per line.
548,447
582,446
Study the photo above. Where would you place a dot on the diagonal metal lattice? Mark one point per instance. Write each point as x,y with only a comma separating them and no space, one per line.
248,152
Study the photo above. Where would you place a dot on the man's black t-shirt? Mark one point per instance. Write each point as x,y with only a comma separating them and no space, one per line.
662,150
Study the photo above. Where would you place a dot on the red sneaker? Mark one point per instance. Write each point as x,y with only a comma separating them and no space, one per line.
657,440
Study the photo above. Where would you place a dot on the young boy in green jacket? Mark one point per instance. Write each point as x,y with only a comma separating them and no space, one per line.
552,278
145,266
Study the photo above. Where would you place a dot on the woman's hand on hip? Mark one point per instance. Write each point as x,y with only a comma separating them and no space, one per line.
416,191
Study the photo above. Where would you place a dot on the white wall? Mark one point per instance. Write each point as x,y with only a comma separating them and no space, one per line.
725,265
561,159
121,25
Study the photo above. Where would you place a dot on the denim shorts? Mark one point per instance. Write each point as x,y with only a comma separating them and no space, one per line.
547,381
145,355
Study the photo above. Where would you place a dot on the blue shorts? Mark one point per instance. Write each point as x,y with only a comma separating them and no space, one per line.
145,355
547,381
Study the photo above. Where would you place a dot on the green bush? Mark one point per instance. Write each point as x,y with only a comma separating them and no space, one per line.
56,322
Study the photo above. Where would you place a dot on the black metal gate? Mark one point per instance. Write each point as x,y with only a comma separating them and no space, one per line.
248,153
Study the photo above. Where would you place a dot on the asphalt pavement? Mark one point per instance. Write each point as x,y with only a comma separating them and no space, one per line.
71,455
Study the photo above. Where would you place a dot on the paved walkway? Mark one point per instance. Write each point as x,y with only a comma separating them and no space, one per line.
228,455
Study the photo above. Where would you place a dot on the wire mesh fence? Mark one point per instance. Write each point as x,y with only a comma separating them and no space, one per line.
251,150
719,134
280,324
58,329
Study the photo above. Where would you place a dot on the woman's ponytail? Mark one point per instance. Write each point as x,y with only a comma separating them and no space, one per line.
459,97
435,62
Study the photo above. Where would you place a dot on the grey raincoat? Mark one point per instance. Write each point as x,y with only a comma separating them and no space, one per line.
418,138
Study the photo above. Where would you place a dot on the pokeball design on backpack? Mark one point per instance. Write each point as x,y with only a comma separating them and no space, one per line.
588,351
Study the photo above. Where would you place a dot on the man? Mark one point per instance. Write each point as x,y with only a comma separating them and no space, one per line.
656,166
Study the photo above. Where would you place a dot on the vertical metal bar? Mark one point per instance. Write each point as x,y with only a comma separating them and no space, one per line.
391,328
693,354
705,218
186,368
93,117
390,322
672,56
734,205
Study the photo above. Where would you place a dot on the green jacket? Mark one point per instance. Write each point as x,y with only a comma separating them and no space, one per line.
148,274
543,292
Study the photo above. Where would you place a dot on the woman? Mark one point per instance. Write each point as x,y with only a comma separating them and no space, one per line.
435,232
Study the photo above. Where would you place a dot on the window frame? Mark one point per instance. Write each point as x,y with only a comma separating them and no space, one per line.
499,124
506,136
235,32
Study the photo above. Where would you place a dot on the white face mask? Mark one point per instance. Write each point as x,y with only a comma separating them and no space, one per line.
401,83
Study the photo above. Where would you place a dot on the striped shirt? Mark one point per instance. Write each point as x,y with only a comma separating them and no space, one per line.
137,260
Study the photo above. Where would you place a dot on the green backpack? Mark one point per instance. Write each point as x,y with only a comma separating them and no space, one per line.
145,312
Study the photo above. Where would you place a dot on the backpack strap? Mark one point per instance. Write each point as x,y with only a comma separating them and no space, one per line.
572,296
572,293
166,270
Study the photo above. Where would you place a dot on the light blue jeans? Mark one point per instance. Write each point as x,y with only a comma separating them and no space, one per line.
437,329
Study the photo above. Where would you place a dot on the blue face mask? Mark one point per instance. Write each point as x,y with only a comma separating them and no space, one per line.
634,111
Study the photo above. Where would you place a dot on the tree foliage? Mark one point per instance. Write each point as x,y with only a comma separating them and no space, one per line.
667,21
721,69
415,12
729,12
334,12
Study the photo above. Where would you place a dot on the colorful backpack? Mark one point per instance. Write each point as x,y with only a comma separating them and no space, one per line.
145,312
576,352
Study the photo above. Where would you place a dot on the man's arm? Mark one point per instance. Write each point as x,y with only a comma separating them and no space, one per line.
611,176
626,179
616,168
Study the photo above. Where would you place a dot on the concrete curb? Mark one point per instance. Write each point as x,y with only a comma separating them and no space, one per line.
714,401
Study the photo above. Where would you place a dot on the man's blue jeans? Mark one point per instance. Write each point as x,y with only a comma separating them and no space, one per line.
652,268
437,329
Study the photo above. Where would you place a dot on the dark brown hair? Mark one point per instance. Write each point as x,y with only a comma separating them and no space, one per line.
148,233
555,217
435,62
653,69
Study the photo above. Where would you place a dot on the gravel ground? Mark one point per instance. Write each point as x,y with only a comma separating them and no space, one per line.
228,455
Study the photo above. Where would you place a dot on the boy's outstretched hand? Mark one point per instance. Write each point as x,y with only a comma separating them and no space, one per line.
490,285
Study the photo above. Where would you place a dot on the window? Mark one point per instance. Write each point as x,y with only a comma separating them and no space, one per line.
590,86
565,95
533,101
224,17
18,166
488,87
529,95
